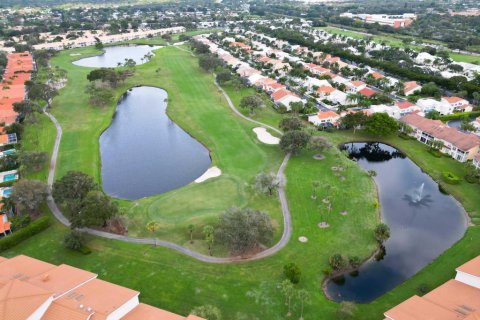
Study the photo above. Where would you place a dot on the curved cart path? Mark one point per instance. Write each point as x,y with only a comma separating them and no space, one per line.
287,229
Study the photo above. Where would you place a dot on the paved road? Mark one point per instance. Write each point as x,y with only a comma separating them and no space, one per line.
287,230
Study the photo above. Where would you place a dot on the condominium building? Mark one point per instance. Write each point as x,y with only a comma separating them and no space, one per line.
36,290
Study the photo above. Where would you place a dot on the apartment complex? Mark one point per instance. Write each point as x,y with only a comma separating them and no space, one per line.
459,145
36,290
456,299
395,21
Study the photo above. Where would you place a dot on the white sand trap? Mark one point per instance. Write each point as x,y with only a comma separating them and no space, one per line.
75,54
264,136
302,239
210,173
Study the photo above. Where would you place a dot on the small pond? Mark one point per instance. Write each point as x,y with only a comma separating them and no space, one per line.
457,122
423,222
145,153
117,54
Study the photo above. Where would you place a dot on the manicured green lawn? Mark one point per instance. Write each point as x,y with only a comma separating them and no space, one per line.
197,106
245,290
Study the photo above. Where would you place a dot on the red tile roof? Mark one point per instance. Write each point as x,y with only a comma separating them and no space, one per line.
437,129
404,104
367,92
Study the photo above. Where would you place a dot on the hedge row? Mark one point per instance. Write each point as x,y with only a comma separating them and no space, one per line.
450,178
32,229
460,115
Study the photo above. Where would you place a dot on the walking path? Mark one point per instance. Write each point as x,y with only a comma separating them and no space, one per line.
287,229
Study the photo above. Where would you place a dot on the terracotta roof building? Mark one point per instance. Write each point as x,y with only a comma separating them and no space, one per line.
33,289
456,299
459,145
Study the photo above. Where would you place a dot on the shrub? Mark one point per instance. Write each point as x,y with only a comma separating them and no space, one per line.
354,262
450,178
435,153
337,262
32,229
74,240
292,272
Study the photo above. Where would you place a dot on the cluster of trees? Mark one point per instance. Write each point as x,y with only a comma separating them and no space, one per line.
102,81
86,204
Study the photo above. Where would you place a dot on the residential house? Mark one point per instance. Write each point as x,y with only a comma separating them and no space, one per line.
316,69
332,94
458,104
457,299
324,118
476,161
429,104
405,107
33,289
355,86
367,92
411,87
314,82
459,145
284,97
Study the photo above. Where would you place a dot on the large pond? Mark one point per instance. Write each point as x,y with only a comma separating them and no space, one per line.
113,56
144,152
423,222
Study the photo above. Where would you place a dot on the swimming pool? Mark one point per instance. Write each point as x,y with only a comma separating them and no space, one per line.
9,152
7,192
9,177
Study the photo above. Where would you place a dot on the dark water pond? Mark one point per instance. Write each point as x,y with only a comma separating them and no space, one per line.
117,54
144,152
423,223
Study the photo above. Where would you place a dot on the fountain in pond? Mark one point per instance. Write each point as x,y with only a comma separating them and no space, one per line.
419,193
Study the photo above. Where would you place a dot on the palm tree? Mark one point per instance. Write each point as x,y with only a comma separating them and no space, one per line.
208,232
190,229
304,297
288,290
153,226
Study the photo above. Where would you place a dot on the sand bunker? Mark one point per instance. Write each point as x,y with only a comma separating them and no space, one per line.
264,136
210,173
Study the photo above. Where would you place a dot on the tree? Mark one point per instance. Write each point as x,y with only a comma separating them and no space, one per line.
382,232
242,230
288,291
296,107
304,297
472,173
72,188
315,185
353,120
431,90
267,182
208,312
208,232
337,262
26,108
467,126
294,141
28,195
434,115
33,159
97,208
251,102
318,143
191,227
381,124
152,226
346,310
292,272
208,62
223,77
74,240
44,92
290,124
